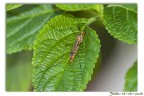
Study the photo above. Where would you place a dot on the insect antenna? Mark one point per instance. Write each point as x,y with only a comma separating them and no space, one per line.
80,64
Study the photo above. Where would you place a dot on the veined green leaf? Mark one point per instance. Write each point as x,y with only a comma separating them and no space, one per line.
131,79
52,69
132,7
79,7
12,6
121,22
23,25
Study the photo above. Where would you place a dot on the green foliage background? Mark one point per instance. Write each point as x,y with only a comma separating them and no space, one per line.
50,31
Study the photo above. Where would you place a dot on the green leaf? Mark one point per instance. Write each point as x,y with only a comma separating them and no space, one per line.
79,7
121,22
23,25
12,6
132,7
131,79
18,71
52,69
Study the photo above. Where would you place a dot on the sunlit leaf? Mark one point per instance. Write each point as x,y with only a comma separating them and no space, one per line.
52,69
121,22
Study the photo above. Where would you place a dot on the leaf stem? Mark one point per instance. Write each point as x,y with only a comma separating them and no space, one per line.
93,19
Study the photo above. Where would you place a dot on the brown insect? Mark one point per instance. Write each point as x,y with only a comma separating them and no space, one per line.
76,46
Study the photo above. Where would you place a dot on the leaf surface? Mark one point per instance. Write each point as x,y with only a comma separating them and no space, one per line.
132,7
23,25
121,22
131,79
52,69
12,6
18,71
79,7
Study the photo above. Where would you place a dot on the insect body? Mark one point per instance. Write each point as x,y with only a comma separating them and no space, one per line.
76,46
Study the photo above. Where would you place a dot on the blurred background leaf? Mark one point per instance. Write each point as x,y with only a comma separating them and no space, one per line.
19,70
24,23
12,6
79,7
131,79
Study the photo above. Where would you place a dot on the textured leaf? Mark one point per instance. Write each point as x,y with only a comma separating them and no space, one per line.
131,79
18,71
12,6
23,25
52,69
132,7
79,7
121,22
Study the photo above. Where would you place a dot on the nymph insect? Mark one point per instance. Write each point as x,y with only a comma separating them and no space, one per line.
76,46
